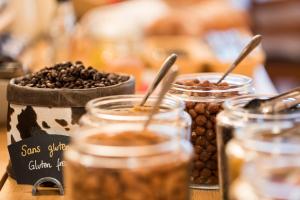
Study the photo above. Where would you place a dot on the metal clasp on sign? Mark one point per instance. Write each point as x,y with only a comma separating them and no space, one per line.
44,180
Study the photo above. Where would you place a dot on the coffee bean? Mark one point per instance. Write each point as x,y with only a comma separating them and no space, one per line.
69,75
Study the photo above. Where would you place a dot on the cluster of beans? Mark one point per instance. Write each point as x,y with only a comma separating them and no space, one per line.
70,75
167,180
203,135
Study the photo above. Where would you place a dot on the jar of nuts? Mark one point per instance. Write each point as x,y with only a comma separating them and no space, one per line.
203,101
124,109
124,161
231,123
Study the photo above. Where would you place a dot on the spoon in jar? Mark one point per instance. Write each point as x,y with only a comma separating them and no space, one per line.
165,88
255,41
275,104
169,62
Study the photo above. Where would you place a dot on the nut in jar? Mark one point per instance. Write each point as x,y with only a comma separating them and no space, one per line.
123,161
203,101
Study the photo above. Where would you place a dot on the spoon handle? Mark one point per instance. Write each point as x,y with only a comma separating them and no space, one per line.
162,72
282,102
255,41
165,88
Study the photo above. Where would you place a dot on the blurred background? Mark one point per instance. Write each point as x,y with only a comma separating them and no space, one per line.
135,36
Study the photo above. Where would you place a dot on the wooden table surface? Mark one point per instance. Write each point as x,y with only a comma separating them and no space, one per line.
10,190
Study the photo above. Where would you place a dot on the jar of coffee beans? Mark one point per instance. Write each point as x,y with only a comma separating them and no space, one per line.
203,101
124,161
52,100
232,123
124,108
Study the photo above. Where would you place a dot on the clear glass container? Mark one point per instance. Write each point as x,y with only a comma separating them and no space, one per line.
123,161
121,108
274,172
232,123
203,104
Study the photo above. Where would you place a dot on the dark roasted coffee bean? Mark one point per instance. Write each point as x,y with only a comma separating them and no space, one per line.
68,75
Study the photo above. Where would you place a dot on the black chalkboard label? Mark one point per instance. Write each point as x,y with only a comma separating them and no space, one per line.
38,157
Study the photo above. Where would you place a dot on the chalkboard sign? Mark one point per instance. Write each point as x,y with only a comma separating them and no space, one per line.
38,157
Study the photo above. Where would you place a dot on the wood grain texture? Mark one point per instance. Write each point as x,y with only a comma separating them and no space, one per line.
205,195
3,156
12,191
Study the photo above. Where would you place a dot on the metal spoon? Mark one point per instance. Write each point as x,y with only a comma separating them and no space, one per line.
275,104
255,41
165,88
162,72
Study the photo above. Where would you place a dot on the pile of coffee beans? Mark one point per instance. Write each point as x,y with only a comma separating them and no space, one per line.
203,135
70,75
165,179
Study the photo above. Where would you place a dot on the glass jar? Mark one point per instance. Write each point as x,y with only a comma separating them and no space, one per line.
203,102
233,121
120,108
123,161
273,172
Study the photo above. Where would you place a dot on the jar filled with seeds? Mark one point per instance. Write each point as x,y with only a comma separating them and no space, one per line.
231,123
124,161
203,101
124,108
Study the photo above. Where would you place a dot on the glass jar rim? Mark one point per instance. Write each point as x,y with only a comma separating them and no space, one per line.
93,107
173,143
244,82
233,105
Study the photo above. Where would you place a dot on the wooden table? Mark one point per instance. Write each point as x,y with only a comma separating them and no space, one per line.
10,190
